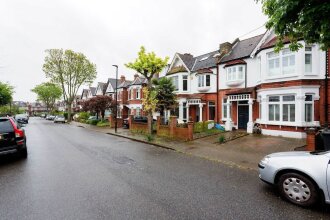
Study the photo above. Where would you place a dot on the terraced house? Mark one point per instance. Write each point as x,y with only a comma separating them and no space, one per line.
245,84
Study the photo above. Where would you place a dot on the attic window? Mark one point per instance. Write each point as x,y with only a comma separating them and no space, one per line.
204,58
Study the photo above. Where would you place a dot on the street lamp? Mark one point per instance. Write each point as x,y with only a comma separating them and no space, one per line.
116,97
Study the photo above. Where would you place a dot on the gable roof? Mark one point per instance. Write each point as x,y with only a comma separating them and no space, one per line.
112,82
187,59
242,49
125,84
205,61
139,81
103,86
93,90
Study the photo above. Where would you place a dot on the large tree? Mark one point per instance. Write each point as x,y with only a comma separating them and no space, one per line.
299,19
70,70
6,93
148,65
48,93
165,94
99,105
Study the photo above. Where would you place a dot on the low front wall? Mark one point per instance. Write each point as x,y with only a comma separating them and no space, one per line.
173,131
138,127
112,122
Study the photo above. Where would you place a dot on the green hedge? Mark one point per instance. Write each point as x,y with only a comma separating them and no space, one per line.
202,126
92,122
103,123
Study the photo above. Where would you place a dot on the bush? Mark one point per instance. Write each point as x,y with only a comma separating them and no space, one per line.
221,139
102,123
82,121
92,122
198,127
83,115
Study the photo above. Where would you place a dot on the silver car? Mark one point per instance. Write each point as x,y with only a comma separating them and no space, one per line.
59,118
302,177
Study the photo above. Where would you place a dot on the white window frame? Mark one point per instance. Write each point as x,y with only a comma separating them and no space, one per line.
202,80
289,109
308,52
175,80
137,93
283,54
309,103
274,104
281,104
138,111
233,73
225,102
184,78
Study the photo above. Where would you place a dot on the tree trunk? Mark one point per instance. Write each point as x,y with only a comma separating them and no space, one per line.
69,112
150,123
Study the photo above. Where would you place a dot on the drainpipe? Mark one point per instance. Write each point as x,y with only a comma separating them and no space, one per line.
245,75
326,123
217,109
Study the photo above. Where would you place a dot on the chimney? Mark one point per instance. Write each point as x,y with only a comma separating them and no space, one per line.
122,78
136,76
224,48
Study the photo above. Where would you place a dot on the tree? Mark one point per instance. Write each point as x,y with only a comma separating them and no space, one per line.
165,94
297,19
6,93
148,65
99,104
48,93
70,70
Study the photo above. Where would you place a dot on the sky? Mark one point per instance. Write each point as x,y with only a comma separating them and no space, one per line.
111,32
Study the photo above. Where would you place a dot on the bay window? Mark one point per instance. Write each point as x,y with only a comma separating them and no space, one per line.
132,93
235,73
137,93
274,108
308,59
289,108
208,80
185,83
184,107
282,63
309,108
138,112
175,82
200,80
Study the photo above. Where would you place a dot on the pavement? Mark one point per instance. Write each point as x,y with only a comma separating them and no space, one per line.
244,152
76,173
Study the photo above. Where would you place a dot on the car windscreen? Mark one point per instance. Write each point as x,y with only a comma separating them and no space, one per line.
6,126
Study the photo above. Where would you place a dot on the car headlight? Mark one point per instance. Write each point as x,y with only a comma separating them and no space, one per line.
265,160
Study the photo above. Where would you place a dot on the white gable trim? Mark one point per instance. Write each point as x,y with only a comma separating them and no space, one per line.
177,56
261,42
109,88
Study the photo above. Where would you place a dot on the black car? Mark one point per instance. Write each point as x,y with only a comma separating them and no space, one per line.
12,137
142,119
22,118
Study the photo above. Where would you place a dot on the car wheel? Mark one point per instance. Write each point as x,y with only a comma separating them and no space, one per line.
23,153
298,189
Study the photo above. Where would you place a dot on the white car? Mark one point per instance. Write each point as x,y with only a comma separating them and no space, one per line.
59,118
302,177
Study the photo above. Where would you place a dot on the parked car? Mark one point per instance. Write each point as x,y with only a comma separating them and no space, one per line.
59,118
142,119
22,118
301,177
50,117
12,137
92,118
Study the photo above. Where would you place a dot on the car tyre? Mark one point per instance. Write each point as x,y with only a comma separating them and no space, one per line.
23,153
298,189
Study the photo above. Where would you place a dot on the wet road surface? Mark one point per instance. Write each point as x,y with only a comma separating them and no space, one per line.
74,173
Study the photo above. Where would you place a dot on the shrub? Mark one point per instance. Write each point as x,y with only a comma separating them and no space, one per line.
149,137
65,114
102,123
221,139
92,122
82,120
83,115
198,127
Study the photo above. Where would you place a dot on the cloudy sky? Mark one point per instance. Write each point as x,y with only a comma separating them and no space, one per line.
111,32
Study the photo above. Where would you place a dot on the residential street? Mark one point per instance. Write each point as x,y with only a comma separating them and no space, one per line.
75,173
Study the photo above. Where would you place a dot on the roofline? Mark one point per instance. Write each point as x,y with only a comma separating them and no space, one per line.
177,54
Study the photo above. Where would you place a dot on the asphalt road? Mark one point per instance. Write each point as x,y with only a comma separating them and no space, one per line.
74,173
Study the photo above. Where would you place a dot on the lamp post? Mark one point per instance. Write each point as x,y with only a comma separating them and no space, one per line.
116,109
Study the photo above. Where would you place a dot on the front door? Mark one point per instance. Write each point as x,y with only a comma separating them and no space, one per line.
243,116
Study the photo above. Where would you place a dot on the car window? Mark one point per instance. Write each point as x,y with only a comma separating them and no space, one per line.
6,126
